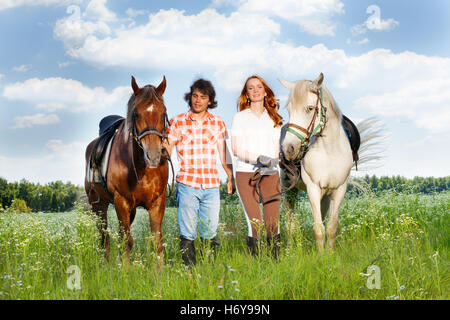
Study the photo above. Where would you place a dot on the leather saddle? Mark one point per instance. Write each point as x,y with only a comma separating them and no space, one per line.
107,128
353,136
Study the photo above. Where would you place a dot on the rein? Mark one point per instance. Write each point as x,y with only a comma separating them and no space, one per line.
291,167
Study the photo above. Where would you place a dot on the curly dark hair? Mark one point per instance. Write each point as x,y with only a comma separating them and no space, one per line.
205,87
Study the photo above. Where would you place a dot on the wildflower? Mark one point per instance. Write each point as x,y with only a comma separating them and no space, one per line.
219,287
237,290
402,287
234,282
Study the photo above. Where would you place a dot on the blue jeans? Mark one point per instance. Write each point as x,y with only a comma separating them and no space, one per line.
198,206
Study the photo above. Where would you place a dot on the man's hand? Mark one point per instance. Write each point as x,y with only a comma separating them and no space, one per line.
231,185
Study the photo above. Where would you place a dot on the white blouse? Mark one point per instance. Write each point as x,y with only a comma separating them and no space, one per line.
251,137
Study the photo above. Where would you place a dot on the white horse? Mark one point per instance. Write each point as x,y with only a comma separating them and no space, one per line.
316,140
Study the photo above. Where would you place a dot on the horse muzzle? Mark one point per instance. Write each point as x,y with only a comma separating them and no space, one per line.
152,158
290,151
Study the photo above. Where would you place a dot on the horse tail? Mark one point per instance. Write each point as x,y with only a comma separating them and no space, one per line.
372,150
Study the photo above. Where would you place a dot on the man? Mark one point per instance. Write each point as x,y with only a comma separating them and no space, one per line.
197,135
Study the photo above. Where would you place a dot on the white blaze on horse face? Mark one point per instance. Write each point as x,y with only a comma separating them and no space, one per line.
150,109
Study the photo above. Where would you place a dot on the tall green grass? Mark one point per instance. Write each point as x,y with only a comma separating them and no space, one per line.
406,236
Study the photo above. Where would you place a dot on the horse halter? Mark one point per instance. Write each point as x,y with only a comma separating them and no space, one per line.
148,131
311,130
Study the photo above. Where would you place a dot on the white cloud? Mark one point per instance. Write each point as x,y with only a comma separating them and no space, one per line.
57,145
37,119
54,94
174,40
426,103
22,68
363,41
73,32
207,38
132,13
7,4
64,64
358,29
434,140
60,162
97,9
222,3
313,16
385,25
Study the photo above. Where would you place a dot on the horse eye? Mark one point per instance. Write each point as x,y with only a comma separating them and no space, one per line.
310,108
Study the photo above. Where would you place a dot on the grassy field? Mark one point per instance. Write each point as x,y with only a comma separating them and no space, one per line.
406,236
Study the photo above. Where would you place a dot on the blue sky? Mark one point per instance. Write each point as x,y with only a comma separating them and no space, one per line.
66,64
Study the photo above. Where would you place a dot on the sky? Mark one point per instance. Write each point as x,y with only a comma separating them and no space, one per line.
65,64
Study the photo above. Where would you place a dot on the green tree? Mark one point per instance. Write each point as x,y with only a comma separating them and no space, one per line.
19,206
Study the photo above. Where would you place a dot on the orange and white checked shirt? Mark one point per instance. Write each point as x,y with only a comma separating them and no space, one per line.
196,145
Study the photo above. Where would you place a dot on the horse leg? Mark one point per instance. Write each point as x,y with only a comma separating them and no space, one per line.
123,215
289,205
101,210
324,206
132,216
335,202
156,214
315,194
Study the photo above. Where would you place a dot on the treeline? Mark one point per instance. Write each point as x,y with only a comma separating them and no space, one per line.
400,184
58,196
51,197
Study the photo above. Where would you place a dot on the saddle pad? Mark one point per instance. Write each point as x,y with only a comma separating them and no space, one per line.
353,136
97,173
98,163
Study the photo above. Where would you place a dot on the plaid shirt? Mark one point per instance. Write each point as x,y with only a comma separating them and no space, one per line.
196,145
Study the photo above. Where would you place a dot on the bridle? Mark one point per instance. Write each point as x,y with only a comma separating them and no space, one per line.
138,136
306,134
149,130
292,168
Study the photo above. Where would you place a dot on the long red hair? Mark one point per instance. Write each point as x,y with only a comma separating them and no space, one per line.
270,102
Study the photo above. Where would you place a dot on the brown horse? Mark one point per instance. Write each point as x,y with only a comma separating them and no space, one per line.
137,170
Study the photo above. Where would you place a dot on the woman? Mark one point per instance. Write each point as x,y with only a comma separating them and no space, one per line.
256,144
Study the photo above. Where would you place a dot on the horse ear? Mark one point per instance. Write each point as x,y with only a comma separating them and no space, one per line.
162,87
318,82
289,85
135,87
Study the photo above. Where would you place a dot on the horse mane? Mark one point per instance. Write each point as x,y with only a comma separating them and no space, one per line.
147,92
332,103
300,92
